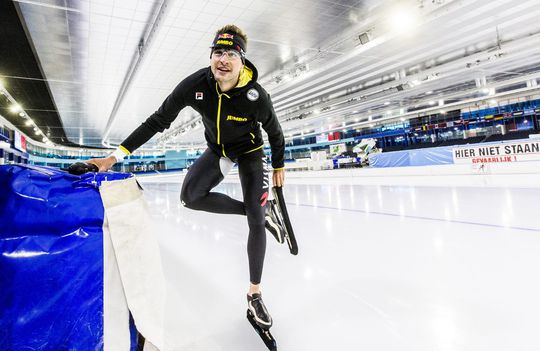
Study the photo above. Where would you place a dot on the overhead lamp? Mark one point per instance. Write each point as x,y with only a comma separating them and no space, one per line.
15,108
387,102
402,20
22,114
429,92
432,102
29,122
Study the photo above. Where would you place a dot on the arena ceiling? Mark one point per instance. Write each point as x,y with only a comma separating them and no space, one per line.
88,72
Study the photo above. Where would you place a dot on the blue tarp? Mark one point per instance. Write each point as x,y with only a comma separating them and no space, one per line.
417,157
51,259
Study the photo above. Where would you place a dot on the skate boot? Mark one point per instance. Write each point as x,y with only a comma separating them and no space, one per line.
272,222
259,312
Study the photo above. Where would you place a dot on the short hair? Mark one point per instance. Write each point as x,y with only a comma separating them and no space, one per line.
231,28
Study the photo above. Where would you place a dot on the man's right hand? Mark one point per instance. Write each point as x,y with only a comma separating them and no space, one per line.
104,164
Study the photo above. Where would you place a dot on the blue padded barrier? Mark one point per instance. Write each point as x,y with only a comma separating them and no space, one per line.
51,259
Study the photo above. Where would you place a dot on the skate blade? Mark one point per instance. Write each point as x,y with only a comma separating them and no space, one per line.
281,238
283,216
265,334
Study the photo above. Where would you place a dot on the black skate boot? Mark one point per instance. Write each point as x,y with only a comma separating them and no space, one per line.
272,222
258,310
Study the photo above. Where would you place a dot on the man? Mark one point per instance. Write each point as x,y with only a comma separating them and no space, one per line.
233,107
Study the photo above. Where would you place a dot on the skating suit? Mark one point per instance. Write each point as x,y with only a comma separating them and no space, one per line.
232,122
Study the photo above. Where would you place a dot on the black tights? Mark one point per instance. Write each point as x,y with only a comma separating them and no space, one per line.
207,172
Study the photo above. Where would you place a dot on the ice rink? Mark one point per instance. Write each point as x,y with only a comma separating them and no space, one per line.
448,265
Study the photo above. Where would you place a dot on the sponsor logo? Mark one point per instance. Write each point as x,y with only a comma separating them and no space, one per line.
266,180
237,119
224,42
252,94
225,36
198,95
264,198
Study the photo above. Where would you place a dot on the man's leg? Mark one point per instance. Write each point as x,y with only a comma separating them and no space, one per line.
255,185
203,176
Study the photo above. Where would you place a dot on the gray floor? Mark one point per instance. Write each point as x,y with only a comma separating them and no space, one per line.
380,268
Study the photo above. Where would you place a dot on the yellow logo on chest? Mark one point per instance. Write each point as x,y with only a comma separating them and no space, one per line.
236,119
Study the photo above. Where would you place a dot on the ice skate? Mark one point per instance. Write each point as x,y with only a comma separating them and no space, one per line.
280,209
258,309
260,320
272,222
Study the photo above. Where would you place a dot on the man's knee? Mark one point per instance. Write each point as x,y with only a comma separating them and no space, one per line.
189,199
255,217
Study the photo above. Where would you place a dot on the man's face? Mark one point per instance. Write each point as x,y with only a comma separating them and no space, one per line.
226,65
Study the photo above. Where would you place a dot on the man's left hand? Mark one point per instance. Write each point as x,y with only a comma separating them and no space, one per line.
278,177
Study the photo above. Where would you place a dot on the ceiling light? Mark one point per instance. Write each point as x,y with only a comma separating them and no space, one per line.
493,101
402,20
429,92
15,108
22,114
485,91
370,118
402,119
387,103
29,122
432,102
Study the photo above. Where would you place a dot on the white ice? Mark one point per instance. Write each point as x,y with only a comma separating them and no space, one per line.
381,267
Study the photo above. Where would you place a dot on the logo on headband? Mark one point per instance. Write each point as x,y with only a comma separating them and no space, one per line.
224,42
225,36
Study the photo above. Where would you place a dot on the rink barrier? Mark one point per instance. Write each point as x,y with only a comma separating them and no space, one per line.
71,252
492,152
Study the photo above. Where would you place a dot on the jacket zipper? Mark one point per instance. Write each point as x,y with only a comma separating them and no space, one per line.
218,120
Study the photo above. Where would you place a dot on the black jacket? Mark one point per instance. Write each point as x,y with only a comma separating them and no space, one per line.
231,120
